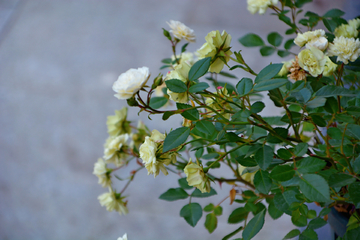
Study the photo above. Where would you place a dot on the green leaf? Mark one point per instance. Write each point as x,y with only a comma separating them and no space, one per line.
340,180
352,234
174,194
211,222
191,114
324,211
274,212
176,85
334,13
283,200
238,215
308,234
209,208
300,3
268,72
199,194
316,102
218,210
244,86
270,84
354,130
317,223
274,39
289,43
354,192
233,137
191,213
158,102
233,233
167,114
333,91
293,233
283,53
301,149
254,225
318,120
183,48
199,69
262,181
166,34
298,219
267,51
310,165
198,87
175,138
296,117
282,173
257,107
330,24
315,188
225,74
184,184
205,127
264,157
251,40
281,132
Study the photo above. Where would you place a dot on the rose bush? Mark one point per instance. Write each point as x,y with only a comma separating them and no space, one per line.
275,165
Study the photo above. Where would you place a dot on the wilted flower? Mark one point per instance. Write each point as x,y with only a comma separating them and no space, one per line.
260,6
117,123
113,202
181,31
102,173
123,237
346,49
306,37
196,177
219,45
348,30
312,60
130,82
114,149
329,68
296,72
181,73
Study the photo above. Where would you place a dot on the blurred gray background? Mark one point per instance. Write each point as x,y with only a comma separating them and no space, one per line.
58,61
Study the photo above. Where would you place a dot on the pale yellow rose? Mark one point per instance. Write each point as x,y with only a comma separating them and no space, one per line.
247,174
260,6
101,172
181,31
148,151
181,73
286,68
215,40
346,49
220,106
196,177
187,57
113,202
123,237
130,82
330,67
117,124
312,60
157,136
114,149
348,30
303,38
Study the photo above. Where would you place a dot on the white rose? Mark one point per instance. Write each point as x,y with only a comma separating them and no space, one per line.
320,43
130,82
346,49
306,37
123,237
181,31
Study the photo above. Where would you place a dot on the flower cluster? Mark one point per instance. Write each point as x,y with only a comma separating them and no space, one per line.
152,156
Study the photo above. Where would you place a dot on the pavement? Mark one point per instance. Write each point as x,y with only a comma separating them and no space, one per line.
58,61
